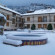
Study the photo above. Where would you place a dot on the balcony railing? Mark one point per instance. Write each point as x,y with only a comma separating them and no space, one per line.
19,21
9,20
39,22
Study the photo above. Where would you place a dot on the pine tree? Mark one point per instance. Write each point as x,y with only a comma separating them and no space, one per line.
33,27
50,27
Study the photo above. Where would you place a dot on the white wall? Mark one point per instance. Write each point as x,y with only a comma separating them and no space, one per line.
36,19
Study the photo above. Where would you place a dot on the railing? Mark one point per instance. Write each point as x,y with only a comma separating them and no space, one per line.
9,20
38,22
19,21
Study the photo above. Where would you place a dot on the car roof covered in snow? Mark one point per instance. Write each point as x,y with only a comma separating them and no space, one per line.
42,11
3,7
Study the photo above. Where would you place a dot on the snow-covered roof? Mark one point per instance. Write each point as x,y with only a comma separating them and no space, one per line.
1,15
8,9
42,11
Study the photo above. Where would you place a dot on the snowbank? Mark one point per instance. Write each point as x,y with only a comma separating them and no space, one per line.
13,42
25,37
47,49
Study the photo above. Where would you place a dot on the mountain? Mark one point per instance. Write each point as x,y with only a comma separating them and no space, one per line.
30,8
25,2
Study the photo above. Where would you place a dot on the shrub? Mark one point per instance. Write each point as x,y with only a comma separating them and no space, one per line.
33,27
50,27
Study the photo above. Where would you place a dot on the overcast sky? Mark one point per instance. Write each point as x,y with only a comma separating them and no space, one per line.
25,2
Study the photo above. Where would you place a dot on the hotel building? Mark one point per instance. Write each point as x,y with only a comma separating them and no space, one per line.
12,17
41,18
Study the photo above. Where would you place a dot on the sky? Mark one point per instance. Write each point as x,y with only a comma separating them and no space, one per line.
25,2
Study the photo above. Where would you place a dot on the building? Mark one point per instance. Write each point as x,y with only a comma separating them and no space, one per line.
41,18
12,17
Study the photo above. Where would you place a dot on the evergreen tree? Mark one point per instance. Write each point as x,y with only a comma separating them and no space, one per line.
33,27
50,27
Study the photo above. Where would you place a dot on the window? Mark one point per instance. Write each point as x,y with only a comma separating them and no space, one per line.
13,21
28,18
44,19
44,25
39,19
16,19
54,25
7,17
54,18
28,25
16,25
7,24
39,26
14,14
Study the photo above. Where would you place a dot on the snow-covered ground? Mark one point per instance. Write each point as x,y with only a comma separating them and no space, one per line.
47,49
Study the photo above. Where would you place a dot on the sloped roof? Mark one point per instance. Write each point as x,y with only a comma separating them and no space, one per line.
42,11
8,9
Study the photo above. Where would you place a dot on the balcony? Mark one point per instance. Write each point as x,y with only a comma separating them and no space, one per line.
35,22
10,20
19,21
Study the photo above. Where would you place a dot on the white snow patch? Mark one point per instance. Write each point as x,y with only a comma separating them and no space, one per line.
13,42
47,49
42,11
25,37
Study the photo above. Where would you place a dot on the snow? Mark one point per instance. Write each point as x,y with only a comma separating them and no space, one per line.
47,49
23,30
13,42
8,9
26,36
1,26
1,15
42,11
